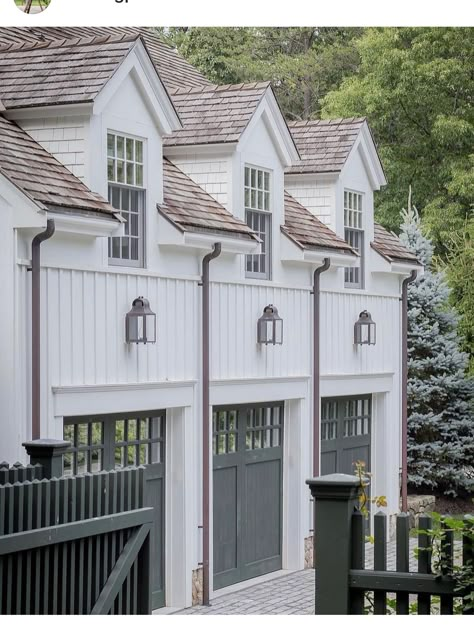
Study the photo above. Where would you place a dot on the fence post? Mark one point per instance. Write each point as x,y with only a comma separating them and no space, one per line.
49,453
335,499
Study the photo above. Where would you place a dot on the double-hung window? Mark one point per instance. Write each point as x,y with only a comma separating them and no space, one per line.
257,204
127,194
354,236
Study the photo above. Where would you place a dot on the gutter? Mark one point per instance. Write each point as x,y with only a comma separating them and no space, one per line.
316,364
36,327
404,382
205,420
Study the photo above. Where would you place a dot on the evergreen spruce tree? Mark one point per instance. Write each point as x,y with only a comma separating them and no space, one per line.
440,395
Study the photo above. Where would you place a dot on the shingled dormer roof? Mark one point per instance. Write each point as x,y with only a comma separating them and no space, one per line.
308,231
190,208
42,178
391,248
324,145
63,71
215,114
173,69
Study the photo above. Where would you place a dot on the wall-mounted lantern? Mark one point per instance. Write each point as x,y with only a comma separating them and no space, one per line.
140,322
364,330
270,327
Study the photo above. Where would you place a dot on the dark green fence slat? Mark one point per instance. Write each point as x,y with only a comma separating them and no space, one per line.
468,551
9,585
2,511
424,560
357,559
9,508
403,558
447,549
380,559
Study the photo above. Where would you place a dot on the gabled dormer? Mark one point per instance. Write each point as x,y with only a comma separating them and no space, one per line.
235,143
336,179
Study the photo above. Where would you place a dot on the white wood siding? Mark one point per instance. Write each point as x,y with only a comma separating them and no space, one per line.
210,173
317,197
64,137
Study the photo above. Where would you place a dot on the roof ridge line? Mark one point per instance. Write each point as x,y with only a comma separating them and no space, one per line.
241,86
317,122
67,43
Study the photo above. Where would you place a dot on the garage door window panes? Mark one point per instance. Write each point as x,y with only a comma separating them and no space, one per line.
357,417
87,446
329,420
113,442
138,441
263,428
225,432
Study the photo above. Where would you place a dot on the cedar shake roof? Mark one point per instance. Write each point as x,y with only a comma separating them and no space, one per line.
41,177
324,145
307,231
173,69
189,207
390,247
215,114
59,72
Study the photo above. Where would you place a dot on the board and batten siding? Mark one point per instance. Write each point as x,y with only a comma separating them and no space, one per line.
63,137
83,318
339,355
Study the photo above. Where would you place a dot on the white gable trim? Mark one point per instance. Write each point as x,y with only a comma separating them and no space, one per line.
269,111
139,66
364,144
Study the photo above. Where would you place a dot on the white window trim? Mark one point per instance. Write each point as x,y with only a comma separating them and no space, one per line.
361,264
269,218
140,262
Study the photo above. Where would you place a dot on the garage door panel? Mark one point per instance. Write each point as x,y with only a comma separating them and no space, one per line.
349,457
345,433
225,519
328,462
247,450
262,538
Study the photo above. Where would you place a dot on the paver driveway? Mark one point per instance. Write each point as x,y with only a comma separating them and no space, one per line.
287,594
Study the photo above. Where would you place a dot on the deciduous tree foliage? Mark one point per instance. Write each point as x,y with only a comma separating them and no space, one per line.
302,63
440,396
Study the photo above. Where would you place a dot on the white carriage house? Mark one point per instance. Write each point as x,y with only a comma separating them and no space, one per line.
146,168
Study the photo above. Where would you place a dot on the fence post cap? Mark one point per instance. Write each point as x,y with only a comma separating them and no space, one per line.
46,447
335,486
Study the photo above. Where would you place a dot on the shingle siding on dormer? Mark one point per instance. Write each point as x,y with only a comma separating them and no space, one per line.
63,137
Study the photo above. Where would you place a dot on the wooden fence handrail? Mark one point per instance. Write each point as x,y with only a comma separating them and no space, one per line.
46,536
393,581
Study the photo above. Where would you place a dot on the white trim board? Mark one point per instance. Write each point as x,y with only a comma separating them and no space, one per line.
116,398
256,390
339,385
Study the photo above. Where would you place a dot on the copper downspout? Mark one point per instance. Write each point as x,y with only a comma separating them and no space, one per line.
36,327
316,364
404,382
205,420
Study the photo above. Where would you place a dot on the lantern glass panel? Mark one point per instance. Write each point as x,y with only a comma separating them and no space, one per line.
278,331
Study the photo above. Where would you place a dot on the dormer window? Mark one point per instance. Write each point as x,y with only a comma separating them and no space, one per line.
354,236
126,193
257,204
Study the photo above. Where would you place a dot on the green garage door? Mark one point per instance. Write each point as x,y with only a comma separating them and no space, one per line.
108,442
345,433
247,491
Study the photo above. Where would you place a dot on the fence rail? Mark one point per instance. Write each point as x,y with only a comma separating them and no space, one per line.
74,545
342,581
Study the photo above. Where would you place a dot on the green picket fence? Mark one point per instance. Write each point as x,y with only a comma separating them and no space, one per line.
74,545
345,586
